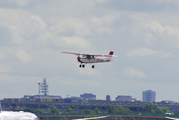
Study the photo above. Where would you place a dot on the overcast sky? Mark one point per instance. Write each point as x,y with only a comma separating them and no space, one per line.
143,34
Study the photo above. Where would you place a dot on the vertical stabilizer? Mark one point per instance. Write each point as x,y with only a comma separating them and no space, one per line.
110,53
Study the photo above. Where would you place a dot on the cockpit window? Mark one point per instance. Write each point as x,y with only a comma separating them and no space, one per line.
85,55
88,56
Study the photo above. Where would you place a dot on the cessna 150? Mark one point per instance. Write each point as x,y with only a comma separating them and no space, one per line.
91,58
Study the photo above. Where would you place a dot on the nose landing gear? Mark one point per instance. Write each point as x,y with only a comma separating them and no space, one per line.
93,66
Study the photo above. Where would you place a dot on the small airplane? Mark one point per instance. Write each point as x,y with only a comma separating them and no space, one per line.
91,58
10,115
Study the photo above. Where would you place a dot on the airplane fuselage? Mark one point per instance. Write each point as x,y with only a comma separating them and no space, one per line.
94,60
9,115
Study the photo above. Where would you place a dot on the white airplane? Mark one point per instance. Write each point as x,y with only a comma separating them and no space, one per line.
10,115
91,58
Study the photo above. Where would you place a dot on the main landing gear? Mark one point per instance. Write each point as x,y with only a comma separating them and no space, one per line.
83,66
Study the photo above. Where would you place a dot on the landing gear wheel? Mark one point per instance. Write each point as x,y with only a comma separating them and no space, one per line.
83,66
93,66
80,65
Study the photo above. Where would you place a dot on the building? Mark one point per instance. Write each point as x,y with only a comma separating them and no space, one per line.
108,98
125,98
167,101
148,96
88,96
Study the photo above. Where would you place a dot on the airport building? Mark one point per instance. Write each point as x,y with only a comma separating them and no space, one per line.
88,96
148,96
125,98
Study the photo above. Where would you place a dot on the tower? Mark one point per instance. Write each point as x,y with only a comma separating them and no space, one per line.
44,87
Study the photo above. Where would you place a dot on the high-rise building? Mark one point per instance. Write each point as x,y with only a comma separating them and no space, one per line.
148,96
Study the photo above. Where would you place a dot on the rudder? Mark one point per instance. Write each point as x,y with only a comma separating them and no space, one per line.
111,53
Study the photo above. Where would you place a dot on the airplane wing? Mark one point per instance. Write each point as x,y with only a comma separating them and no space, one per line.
91,118
73,53
97,55
172,118
100,55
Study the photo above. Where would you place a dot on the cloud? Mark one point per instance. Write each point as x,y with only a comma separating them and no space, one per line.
2,56
144,52
133,73
18,2
164,31
5,68
73,41
20,25
75,26
23,56
104,30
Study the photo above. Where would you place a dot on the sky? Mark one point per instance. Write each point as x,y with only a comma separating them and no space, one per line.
143,34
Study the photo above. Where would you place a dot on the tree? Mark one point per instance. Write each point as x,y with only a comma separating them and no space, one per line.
163,110
53,110
144,118
39,111
152,108
87,111
132,117
149,107
70,110
64,118
26,110
96,110
83,116
122,109
119,118
110,109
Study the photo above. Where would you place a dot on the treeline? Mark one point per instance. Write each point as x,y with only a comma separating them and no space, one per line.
148,108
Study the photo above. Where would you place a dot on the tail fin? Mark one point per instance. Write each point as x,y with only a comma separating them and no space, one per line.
110,56
111,53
